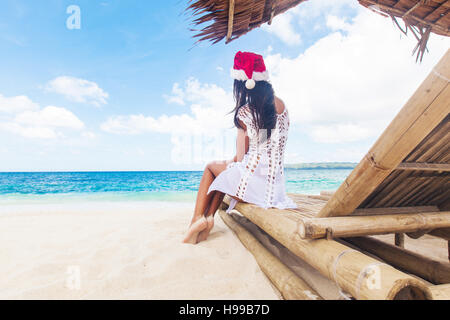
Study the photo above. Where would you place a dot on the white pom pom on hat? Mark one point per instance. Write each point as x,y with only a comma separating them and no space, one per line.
250,84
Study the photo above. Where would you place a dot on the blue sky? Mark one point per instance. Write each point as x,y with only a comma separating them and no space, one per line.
118,93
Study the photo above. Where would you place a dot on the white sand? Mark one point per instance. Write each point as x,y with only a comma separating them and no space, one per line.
121,251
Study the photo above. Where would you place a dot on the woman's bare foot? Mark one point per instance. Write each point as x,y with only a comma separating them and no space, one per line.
202,236
195,228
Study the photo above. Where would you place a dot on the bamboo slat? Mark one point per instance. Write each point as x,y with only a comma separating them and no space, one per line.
421,114
440,292
320,197
428,150
431,270
393,210
316,228
291,286
327,193
442,167
361,276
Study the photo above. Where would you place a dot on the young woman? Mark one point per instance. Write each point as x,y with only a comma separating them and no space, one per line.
255,175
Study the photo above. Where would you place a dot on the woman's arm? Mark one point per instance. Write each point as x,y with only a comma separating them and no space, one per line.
242,143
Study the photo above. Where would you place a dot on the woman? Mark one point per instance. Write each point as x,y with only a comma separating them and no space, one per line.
255,175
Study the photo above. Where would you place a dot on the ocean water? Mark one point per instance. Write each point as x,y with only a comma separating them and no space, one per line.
173,186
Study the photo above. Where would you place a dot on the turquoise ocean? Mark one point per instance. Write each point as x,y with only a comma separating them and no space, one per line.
158,186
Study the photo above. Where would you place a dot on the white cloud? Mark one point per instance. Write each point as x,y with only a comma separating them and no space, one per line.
137,124
335,23
317,8
349,85
307,17
341,132
283,28
78,90
16,104
89,135
30,132
177,96
23,117
209,105
50,117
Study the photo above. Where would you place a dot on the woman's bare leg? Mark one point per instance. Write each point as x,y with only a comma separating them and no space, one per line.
214,205
212,170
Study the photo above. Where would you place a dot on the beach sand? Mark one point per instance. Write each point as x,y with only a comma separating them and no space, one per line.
120,251
134,251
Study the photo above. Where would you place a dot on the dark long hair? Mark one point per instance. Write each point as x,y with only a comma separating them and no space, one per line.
261,101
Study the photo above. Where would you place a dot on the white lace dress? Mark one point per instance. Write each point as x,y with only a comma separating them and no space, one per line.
259,177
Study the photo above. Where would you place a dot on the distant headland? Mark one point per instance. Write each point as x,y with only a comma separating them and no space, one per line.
321,165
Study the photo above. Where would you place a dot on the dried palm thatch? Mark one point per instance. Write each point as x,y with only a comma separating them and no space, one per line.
231,19
421,17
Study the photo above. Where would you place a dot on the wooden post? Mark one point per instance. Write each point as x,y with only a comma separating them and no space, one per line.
291,286
431,270
421,114
353,226
400,240
441,292
351,270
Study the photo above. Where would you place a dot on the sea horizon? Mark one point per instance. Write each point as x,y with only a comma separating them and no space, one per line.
136,186
290,166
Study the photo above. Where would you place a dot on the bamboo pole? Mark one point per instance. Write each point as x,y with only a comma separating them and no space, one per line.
230,20
316,228
431,270
393,210
360,275
440,292
422,113
441,233
291,286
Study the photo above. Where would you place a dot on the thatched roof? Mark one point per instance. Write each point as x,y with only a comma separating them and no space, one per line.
419,16
231,19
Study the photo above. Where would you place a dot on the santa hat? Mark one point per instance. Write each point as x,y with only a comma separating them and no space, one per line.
249,67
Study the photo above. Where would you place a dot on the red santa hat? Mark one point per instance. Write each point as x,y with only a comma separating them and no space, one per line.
249,67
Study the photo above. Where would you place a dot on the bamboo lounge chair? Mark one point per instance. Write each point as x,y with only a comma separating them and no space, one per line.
401,186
